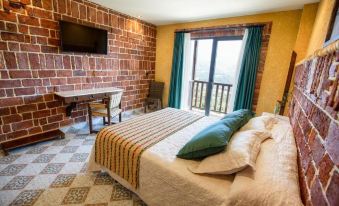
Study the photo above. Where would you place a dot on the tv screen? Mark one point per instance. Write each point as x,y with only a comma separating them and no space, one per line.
79,38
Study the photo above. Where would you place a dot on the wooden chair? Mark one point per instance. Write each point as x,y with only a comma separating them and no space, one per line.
109,108
156,90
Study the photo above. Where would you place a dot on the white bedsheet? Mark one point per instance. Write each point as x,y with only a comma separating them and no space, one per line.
165,179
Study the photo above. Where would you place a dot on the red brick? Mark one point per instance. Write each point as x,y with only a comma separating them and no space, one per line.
317,150
34,130
47,4
4,111
50,126
33,99
23,19
22,60
310,173
39,31
26,116
22,125
13,46
5,102
24,91
10,60
325,168
5,16
17,134
11,118
37,3
47,73
6,128
34,61
27,108
49,49
42,106
55,118
332,142
30,47
10,83
332,192
31,82
10,27
15,74
41,113
39,13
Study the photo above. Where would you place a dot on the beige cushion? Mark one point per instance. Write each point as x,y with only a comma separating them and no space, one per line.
260,123
242,151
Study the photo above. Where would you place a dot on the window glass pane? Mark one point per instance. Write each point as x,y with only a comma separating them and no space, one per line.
226,62
203,60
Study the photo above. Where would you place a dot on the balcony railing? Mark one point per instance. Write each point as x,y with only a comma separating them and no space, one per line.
219,97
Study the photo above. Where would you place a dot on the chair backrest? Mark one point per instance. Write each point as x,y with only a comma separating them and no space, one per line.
115,100
156,90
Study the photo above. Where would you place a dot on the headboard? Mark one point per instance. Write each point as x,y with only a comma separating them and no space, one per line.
314,117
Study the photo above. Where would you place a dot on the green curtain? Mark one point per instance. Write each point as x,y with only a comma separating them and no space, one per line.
248,69
177,70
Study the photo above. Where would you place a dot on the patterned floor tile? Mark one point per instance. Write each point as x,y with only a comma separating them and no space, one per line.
43,175
63,180
18,182
62,157
79,157
37,150
69,149
41,182
27,197
120,193
13,169
52,168
81,136
26,158
84,180
7,196
53,150
99,194
9,159
103,178
32,169
72,168
61,142
44,158
84,168
88,142
76,195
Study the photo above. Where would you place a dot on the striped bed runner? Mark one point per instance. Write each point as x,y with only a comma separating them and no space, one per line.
119,147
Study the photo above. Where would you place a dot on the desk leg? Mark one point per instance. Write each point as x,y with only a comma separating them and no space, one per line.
69,108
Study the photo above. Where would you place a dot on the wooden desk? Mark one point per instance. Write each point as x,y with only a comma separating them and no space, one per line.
73,97
69,97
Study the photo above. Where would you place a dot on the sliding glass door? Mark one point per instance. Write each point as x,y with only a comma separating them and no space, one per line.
215,72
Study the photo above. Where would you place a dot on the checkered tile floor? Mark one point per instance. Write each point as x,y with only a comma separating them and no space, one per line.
54,173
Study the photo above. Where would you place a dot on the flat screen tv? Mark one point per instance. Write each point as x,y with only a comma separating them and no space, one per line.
80,38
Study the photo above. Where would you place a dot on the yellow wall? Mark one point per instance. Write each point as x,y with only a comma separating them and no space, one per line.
305,30
284,32
320,25
303,38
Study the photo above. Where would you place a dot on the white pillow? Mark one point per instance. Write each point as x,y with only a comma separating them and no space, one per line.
242,151
260,123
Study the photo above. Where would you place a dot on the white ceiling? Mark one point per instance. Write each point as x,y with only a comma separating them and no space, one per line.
160,12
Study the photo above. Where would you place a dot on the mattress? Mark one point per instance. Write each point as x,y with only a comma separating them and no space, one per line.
165,179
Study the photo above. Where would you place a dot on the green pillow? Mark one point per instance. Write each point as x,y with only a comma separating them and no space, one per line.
214,138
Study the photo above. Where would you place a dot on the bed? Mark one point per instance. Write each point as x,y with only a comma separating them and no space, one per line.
163,179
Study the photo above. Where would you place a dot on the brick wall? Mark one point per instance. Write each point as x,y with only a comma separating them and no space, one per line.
239,30
32,66
314,117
